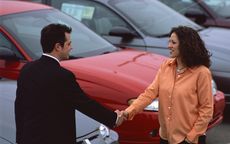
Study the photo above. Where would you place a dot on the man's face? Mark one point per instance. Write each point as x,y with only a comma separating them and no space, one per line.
67,47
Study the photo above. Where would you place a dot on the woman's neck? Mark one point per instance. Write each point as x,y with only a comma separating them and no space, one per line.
180,65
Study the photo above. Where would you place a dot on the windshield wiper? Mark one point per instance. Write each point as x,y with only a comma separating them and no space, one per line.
106,52
163,35
75,57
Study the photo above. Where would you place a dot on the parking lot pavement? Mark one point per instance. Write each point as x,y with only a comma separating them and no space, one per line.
221,133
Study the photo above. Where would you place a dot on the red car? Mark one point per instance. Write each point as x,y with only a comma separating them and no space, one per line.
107,74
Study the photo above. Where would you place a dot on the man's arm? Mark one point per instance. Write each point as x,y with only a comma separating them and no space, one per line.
79,100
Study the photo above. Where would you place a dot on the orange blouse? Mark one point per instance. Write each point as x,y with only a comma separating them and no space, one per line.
185,102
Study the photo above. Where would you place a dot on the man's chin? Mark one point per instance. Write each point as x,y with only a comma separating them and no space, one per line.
65,58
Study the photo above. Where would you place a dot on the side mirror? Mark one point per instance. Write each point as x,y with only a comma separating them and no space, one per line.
123,32
7,54
196,15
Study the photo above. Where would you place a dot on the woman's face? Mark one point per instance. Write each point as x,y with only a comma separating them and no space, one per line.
173,45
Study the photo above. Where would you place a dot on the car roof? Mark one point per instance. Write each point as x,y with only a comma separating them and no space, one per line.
102,1
11,7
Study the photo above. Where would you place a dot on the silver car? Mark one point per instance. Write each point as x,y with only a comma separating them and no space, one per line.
89,131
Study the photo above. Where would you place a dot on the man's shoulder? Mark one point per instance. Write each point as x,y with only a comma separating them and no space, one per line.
28,66
66,72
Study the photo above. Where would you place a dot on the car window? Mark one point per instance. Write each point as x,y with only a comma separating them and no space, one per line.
182,6
150,16
95,15
5,43
26,29
221,7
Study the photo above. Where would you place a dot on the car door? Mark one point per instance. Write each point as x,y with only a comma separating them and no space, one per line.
7,123
3,141
103,20
11,59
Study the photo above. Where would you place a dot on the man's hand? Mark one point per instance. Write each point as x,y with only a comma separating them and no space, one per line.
126,115
121,117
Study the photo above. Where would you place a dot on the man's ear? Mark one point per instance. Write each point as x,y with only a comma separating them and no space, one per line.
57,47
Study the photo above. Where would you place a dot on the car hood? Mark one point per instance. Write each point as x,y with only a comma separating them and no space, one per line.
217,41
118,70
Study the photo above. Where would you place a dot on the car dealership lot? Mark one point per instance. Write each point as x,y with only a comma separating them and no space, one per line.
103,82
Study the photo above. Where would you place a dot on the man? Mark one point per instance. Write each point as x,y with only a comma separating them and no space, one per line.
48,94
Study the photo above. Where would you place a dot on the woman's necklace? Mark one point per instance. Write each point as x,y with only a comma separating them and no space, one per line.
180,70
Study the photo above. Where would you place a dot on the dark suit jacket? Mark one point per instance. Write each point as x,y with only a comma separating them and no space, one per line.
47,96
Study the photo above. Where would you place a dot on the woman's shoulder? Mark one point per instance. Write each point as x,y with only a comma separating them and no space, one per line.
202,69
169,61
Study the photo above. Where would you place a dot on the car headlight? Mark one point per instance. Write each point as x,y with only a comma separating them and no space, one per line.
151,107
104,131
214,88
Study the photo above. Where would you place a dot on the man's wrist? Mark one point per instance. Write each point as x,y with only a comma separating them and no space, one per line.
187,140
117,119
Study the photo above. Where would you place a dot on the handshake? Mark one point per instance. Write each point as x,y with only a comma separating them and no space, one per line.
121,117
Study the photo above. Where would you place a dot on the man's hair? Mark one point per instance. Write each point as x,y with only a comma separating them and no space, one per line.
52,34
191,47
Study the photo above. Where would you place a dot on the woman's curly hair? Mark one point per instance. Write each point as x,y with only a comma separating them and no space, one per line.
191,47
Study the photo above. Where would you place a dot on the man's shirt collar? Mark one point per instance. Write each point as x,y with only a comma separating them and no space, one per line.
48,55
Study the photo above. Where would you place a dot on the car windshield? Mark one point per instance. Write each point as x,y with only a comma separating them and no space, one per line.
151,16
26,27
221,7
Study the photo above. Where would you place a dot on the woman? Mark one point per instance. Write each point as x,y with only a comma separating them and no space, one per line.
183,87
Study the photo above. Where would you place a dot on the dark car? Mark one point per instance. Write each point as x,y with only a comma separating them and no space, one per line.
145,25
204,12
